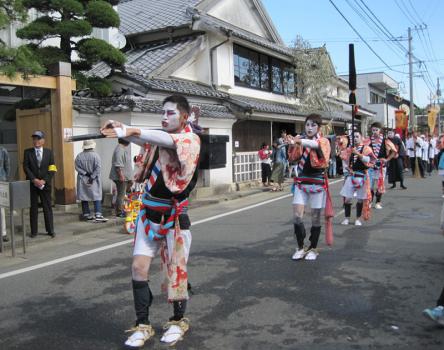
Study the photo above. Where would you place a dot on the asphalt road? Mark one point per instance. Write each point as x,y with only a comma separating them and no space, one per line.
367,292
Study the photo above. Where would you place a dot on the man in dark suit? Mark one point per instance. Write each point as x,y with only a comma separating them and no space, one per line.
39,167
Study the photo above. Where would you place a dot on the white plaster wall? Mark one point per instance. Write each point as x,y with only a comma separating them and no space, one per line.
263,95
198,68
223,65
240,13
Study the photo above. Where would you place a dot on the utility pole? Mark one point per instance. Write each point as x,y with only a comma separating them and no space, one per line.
412,105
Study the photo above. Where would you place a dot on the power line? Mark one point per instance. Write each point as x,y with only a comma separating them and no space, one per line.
365,42
393,65
353,40
406,13
377,27
388,33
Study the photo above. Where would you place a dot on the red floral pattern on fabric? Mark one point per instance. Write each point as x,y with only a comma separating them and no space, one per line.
178,165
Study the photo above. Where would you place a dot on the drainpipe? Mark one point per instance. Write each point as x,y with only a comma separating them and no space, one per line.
228,33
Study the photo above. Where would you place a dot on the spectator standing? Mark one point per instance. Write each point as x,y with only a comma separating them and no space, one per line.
424,154
414,149
89,183
39,167
265,158
283,141
121,173
431,154
4,175
279,159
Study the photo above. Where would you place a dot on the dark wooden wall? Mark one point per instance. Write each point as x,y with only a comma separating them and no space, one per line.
250,134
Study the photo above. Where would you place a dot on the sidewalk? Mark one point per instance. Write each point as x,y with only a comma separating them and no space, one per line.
68,224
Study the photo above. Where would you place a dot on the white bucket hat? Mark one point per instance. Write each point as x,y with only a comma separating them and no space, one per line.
88,144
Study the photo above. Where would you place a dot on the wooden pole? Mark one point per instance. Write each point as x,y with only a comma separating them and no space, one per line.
61,108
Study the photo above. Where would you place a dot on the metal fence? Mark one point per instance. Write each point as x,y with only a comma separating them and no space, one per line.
247,167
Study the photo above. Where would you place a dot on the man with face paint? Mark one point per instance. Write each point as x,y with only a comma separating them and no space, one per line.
356,179
311,152
384,150
395,167
163,223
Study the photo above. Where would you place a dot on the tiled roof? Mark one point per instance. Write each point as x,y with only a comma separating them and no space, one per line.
139,16
127,103
245,35
144,60
175,85
265,106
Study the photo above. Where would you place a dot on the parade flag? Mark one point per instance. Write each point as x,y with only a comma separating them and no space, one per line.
401,119
431,118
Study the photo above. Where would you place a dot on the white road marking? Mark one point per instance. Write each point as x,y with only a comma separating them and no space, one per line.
118,244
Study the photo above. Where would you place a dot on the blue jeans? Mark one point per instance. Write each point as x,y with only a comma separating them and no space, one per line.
97,208
332,167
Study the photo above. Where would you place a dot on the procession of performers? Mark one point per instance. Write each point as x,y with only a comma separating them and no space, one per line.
311,151
356,162
169,174
384,150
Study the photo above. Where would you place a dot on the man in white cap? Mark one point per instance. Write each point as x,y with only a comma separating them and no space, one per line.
89,183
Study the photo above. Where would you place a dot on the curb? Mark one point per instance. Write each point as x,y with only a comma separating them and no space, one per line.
73,219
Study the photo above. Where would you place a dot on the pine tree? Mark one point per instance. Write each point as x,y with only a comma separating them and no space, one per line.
72,22
21,59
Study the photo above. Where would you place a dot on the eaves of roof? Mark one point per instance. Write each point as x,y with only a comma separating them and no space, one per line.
127,103
212,23
185,87
252,104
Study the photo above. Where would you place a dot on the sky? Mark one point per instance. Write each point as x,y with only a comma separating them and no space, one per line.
318,22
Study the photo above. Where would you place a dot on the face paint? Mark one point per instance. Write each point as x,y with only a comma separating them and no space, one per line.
311,128
391,134
170,117
375,131
357,138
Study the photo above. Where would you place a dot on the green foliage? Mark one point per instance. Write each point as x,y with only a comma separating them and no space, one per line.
48,55
39,29
314,74
99,86
21,59
102,15
94,50
73,28
69,20
11,10
73,7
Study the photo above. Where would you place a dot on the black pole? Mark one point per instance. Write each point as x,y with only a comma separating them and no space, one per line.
84,137
352,88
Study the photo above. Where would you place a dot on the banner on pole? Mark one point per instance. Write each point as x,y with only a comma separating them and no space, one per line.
432,113
401,119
